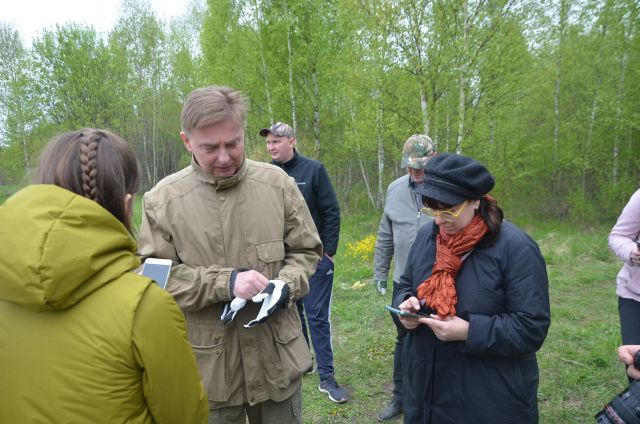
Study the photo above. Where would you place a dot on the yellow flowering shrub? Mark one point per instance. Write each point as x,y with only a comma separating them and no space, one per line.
362,249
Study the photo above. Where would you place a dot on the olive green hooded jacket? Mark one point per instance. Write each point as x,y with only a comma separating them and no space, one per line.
83,339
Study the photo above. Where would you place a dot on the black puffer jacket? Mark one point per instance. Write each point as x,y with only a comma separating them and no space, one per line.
492,377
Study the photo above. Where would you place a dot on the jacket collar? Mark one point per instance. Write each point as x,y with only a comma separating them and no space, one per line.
290,162
219,183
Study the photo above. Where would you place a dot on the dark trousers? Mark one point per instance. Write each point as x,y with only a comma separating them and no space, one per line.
317,307
629,311
397,354
287,411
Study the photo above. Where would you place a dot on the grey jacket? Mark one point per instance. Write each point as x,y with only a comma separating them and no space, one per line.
399,225
209,226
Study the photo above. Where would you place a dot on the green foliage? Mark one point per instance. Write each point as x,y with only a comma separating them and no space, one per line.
549,104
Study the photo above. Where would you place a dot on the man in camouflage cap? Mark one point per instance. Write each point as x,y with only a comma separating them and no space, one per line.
416,152
279,129
398,228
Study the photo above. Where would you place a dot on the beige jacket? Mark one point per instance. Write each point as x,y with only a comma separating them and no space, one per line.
210,226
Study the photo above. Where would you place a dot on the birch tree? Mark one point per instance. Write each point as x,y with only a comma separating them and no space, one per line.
17,113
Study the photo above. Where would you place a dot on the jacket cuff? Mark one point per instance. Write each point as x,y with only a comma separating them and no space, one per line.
232,280
232,283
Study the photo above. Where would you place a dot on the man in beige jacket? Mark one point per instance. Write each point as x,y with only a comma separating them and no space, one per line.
232,226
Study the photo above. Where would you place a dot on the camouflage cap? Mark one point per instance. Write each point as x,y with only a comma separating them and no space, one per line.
280,129
417,151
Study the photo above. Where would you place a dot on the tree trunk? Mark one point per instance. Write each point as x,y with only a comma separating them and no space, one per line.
463,79
365,178
316,113
564,9
616,138
25,153
587,144
263,63
294,121
145,150
380,197
348,183
447,130
425,109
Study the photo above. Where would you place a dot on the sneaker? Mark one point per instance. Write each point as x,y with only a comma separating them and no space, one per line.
329,386
392,411
382,287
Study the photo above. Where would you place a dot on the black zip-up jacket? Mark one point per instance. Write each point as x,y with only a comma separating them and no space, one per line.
314,184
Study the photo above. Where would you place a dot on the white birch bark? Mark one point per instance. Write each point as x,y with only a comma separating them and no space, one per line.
564,8
25,153
294,120
424,105
365,178
463,79
263,63
616,139
380,197
316,113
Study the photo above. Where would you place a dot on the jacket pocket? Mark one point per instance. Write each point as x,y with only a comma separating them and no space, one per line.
211,358
271,255
291,348
270,251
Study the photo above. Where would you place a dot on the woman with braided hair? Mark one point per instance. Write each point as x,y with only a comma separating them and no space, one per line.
482,286
84,338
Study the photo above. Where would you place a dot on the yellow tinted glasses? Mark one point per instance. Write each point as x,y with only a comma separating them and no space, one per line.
445,215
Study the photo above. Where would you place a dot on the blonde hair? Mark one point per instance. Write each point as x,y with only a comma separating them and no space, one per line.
210,105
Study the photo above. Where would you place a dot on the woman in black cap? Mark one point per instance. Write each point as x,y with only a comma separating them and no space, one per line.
482,285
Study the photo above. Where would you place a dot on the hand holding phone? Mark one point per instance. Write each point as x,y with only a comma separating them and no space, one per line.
158,270
400,312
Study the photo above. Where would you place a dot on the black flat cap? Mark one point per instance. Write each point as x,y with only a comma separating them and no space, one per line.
451,179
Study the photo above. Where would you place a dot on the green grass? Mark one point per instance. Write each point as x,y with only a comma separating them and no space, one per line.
579,371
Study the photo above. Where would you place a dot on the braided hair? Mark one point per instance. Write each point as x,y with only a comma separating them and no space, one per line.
88,152
93,163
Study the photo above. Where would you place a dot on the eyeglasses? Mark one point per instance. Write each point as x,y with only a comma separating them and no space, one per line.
445,215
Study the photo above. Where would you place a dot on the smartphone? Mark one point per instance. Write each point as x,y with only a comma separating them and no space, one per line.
157,269
638,244
405,313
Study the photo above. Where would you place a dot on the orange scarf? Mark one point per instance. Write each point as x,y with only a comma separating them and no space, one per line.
439,290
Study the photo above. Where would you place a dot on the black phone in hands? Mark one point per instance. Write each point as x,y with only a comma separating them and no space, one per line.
397,311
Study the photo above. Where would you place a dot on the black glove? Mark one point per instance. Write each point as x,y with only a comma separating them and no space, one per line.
273,297
231,309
